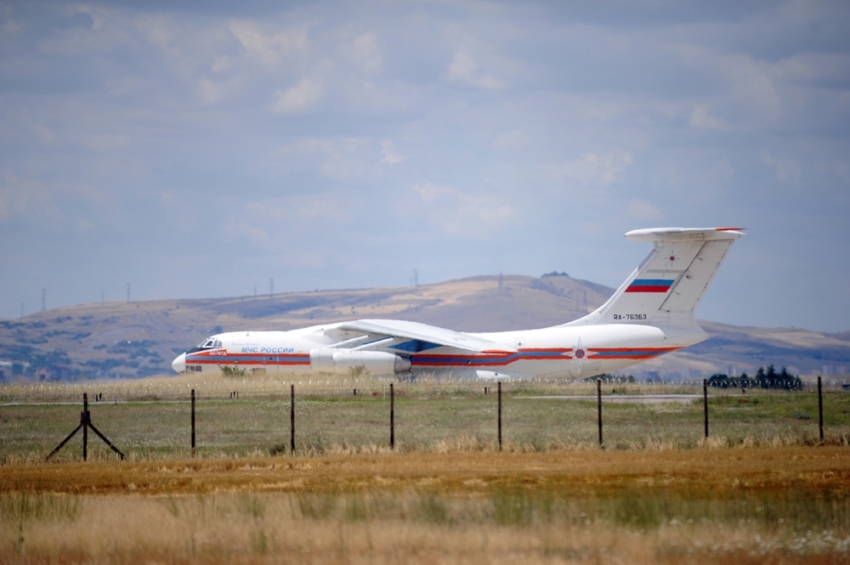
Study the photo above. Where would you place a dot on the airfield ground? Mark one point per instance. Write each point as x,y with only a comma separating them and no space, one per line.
760,490
708,505
251,417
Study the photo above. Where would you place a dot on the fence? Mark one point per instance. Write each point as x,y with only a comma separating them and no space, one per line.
533,416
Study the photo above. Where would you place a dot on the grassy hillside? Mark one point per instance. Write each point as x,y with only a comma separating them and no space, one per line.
136,339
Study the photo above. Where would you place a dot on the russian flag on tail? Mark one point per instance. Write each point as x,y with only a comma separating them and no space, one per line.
650,285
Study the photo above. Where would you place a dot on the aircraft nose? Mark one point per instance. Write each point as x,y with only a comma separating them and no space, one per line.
179,364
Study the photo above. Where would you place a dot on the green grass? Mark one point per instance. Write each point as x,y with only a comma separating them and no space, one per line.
638,508
18,508
457,416
630,525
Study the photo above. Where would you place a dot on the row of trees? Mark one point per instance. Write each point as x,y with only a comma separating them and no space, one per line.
764,378
608,378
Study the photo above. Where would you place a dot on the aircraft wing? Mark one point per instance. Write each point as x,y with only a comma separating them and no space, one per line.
424,333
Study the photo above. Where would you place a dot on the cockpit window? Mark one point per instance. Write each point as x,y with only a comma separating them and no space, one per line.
209,343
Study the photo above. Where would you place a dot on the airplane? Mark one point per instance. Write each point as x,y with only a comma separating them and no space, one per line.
650,314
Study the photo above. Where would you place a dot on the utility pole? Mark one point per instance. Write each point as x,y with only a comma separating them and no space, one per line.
415,278
271,287
128,292
22,309
43,299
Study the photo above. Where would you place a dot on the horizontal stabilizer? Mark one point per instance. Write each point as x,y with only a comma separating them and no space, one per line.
685,234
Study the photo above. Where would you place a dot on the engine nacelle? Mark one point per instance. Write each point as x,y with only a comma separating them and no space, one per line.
342,361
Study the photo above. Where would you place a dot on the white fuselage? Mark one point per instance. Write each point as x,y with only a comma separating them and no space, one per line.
560,351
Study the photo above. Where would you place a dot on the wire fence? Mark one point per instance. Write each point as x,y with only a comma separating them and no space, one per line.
236,417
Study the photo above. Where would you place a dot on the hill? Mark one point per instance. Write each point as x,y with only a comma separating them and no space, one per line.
136,339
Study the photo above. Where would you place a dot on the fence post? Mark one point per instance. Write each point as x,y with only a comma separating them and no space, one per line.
84,420
86,423
392,417
193,422
500,414
599,408
292,418
820,408
705,405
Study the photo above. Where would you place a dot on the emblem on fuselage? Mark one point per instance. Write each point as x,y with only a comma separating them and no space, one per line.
579,355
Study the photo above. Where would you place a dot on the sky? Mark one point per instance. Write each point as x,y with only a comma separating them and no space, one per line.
200,149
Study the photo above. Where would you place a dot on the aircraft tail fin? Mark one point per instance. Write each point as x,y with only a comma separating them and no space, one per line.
667,287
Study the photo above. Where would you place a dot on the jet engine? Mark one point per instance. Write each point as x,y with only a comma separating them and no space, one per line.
341,361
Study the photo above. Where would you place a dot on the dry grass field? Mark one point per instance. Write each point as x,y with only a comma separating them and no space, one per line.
761,489
708,505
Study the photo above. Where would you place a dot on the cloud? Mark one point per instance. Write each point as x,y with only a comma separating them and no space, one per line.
338,158
693,179
787,168
820,69
458,214
97,14
109,30
600,169
10,26
511,140
701,119
25,198
212,92
841,168
267,48
644,211
751,87
30,201
276,222
463,69
302,209
365,53
238,229
390,154
299,98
